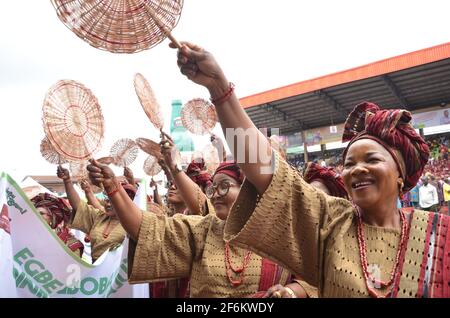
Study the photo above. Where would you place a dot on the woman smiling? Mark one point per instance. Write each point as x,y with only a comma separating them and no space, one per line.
368,248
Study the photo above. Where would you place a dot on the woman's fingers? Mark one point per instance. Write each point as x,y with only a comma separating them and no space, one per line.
95,166
187,45
92,168
188,71
275,291
96,175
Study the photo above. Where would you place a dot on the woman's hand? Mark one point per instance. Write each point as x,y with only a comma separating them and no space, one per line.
165,168
86,186
168,151
150,147
201,67
102,174
63,174
217,143
277,291
128,174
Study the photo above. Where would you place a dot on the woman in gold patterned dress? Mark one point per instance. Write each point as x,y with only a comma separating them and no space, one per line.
168,248
330,182
102,225
364,248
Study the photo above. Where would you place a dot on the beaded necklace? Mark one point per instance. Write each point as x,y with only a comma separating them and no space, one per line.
108,231
371,282
240,271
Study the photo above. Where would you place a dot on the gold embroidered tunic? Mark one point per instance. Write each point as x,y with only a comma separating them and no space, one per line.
192,246
94,222
315,237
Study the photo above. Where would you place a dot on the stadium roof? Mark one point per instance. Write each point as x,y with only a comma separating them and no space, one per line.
412,81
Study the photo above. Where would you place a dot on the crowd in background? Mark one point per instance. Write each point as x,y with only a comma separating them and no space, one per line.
436,175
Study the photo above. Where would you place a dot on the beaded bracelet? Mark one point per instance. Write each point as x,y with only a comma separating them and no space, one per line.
222,99
110,194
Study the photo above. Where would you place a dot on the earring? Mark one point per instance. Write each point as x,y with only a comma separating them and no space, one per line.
400,190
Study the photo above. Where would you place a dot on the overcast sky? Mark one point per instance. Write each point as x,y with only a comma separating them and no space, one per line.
260,44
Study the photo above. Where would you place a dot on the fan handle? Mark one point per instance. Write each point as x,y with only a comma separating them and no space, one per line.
164,29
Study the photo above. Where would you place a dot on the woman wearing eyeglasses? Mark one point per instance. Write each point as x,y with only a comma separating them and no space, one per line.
165,248
185,189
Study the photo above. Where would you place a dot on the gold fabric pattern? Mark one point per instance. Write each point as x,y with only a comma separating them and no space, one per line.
93,222
310,233
190,245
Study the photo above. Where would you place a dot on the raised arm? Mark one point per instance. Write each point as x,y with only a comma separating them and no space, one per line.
156,196
129,214
166,170
249,146
161,247
191,193
218,144
72,194
129,176
91,199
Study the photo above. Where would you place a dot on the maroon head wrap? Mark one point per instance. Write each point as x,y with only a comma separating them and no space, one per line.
392,129
332,180
196,171
231,169
59,210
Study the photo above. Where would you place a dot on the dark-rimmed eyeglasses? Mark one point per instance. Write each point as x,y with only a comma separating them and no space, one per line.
222,189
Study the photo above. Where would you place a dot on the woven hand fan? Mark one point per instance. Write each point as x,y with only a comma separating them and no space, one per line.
150,147
148,101
199,116
124,151
50,154
211,158
78,170
121,26
151,166
73,120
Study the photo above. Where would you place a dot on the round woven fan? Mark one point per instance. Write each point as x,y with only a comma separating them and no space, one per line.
73,120
124,151
148,101
150,147
78,170
151,166
211,158
199,116
50,154
120,26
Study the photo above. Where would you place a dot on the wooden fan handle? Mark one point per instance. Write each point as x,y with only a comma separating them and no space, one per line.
164,29
174,41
